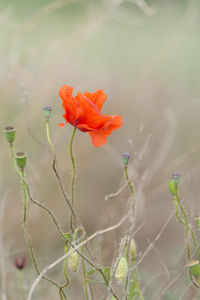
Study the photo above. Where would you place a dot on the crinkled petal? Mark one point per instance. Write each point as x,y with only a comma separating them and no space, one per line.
84,127
98,98
99,137
73,110
92,117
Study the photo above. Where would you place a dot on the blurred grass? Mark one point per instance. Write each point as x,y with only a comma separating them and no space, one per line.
149,67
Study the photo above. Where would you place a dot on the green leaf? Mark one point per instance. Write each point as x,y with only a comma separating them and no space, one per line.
106,272
90,272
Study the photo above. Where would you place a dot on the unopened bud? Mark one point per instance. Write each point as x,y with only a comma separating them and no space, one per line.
125,158
73,261
122,269
10,132
113,298
133,249
194,268
197,222
21,159
176,177
172,187
20,262
47,110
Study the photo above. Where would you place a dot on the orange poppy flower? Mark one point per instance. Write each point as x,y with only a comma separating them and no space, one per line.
84,112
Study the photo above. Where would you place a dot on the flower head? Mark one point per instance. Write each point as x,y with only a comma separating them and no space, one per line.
84,112
20,262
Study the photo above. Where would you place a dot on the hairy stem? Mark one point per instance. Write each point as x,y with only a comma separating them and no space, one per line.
21,284
84,277
26,234
56,172
73,173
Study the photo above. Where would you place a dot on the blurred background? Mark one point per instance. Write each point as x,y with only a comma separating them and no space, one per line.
146,57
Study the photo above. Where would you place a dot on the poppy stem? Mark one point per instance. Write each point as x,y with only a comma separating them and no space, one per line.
28,239
131,189
20,283
73,171
84,276
55,169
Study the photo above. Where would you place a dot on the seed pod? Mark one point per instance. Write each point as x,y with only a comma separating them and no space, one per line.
176,178
47,110
125,158
122,269
21,159
73,261
10,132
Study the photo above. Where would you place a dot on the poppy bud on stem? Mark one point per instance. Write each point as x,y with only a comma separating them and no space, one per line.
10,133
181,216
47,110
21,159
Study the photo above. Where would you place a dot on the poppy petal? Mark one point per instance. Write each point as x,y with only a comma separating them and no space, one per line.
73,110
98,98
93,118
99,137
62,124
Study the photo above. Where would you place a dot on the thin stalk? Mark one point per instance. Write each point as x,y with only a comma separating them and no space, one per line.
21,284
56,171
131,189
84,277
135,277
25,198
65,274
185,222
99,269
133,212
73,165
26,189
73,173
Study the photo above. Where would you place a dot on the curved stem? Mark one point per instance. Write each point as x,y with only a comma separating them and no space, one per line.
99,269
56,172
26,234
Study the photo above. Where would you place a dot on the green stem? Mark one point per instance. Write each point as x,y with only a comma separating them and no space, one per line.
48,137
73,165
130,188
20,282
65,273
73,173
84,276
26,189
56,171
135,277
25,198
184,222
59,230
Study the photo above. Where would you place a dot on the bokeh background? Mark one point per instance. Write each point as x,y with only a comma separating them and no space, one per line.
146,57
